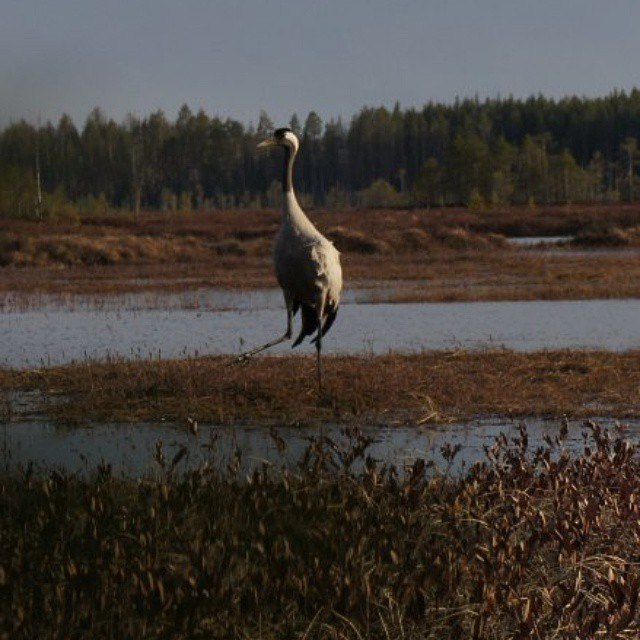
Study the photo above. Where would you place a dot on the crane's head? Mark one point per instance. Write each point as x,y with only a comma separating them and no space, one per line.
281,138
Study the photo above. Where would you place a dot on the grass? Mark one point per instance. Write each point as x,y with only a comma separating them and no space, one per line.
502,274
526,545
439,255
431,386
158,239
608,236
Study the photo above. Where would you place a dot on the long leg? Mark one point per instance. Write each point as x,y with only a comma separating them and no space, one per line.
243,357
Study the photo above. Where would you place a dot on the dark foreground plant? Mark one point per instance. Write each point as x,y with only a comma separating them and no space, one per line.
527,545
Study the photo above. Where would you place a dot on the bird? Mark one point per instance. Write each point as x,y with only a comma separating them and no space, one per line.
307,265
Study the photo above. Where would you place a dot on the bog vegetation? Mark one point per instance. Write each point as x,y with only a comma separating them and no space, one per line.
425,255
529,544
472,153
436,386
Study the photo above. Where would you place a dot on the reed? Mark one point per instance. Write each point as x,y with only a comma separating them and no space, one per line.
528,544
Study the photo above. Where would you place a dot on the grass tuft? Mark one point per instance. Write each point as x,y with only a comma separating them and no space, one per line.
429,387
525,545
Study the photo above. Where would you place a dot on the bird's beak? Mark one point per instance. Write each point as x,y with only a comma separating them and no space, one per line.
269,142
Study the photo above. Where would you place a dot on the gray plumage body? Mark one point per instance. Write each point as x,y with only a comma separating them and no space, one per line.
307,268
307,265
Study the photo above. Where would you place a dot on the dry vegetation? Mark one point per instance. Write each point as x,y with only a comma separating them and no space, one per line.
609,236
432,386
196,238
451,276
526,545
437,255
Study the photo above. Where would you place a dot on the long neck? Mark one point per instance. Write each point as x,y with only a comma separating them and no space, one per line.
292,213
287,170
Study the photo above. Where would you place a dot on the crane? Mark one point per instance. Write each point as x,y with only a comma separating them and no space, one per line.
307,265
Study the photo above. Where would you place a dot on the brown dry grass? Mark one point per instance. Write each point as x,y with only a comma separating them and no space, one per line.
609,236
540,545
502,275
197,240
435,255
243,225
431,386
421,276
528,545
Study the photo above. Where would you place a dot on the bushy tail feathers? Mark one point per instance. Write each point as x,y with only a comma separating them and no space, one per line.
328,321
310,322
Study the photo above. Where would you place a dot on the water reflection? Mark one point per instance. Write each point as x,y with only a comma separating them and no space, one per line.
45,337
131,450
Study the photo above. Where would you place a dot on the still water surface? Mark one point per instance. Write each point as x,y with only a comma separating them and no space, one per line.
536,241
130,449
56,335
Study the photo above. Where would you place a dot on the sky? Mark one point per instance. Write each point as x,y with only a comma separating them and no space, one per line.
233,58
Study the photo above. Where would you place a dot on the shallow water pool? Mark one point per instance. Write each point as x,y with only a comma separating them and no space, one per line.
55,336
132,449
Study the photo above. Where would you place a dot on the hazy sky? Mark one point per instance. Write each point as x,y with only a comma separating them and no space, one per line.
233,58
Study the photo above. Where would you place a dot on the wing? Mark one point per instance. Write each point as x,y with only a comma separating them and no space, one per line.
309,271
306,269
326,260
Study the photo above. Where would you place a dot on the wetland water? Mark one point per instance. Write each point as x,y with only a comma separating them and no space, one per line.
537,241
53,334
131,449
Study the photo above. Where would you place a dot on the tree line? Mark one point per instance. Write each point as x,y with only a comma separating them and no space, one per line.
474,153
